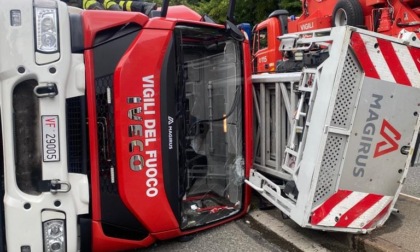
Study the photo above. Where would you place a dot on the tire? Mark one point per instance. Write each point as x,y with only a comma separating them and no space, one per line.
348,12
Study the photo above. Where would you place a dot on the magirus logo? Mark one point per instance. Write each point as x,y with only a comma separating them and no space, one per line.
170,130
390,136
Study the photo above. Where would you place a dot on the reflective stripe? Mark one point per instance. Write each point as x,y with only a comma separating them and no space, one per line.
385,60
126,5
88,3
349,209
109,3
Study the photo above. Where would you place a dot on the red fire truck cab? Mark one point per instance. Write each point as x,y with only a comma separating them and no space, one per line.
165,100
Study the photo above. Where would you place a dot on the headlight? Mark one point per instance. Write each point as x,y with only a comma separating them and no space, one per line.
46,22
54,236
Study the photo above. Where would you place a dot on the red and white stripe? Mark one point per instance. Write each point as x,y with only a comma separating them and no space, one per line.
347,209
387,60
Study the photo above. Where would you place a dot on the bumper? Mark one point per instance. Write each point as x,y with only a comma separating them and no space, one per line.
21,68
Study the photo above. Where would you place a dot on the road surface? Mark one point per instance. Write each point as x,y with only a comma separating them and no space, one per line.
235,236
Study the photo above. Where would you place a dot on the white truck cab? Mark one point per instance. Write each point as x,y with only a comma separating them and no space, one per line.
44,188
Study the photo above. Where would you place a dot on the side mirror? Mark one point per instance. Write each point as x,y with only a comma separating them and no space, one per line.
234,31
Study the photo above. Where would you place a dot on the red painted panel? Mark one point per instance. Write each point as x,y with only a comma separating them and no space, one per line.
322,211
360,50
357,210
393,62
138,76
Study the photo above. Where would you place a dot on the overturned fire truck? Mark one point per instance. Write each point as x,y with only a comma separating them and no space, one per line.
119,128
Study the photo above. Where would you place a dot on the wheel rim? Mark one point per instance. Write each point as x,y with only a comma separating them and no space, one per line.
340,18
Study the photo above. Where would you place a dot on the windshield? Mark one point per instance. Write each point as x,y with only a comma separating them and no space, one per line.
208,125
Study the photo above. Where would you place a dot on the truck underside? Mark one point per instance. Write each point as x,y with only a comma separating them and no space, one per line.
334,141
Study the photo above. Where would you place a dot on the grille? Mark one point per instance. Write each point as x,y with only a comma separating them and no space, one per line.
76,135
106,137
347,93
117,220
27,136
330,166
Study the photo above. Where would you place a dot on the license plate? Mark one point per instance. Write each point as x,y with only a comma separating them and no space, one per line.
50,138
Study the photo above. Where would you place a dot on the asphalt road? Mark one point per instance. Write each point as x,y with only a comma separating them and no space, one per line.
246,235
235,236
412,182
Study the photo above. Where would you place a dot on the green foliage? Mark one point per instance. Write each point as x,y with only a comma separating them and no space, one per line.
294,7
246,11
249,11
216,9
189,3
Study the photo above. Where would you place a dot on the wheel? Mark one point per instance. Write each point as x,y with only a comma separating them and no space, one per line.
348,12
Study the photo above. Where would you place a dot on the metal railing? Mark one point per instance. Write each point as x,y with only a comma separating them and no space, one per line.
275,100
